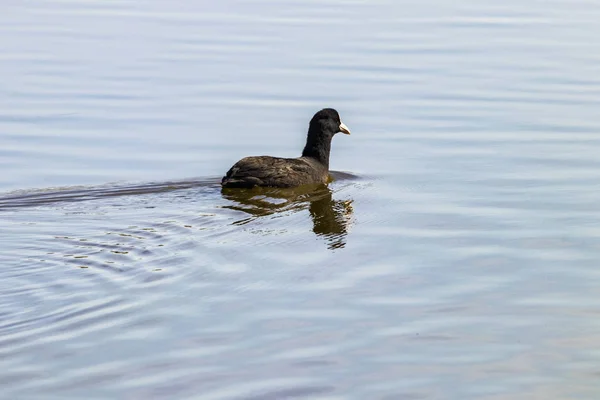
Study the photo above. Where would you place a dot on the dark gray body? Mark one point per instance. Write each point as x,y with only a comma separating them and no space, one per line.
275,172
309,169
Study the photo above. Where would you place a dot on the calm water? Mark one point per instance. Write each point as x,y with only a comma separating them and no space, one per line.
456,257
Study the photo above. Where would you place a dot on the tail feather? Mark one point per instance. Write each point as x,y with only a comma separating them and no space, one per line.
245,182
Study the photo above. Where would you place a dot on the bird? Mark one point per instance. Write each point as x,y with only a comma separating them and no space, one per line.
312,167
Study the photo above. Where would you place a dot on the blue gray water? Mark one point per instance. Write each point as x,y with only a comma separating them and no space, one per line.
455,256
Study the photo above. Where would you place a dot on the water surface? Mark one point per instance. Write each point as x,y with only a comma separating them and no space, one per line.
454,256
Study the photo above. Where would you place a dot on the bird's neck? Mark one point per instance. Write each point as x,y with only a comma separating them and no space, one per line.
318,146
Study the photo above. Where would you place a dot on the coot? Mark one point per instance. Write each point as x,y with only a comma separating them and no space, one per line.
311,168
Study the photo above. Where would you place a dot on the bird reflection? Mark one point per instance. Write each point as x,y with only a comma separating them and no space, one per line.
331,218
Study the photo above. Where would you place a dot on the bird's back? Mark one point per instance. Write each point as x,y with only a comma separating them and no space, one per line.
275,172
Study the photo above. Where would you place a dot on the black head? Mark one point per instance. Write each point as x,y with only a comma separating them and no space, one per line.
323,126
328,121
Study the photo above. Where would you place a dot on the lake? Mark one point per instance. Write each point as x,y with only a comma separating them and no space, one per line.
454,256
